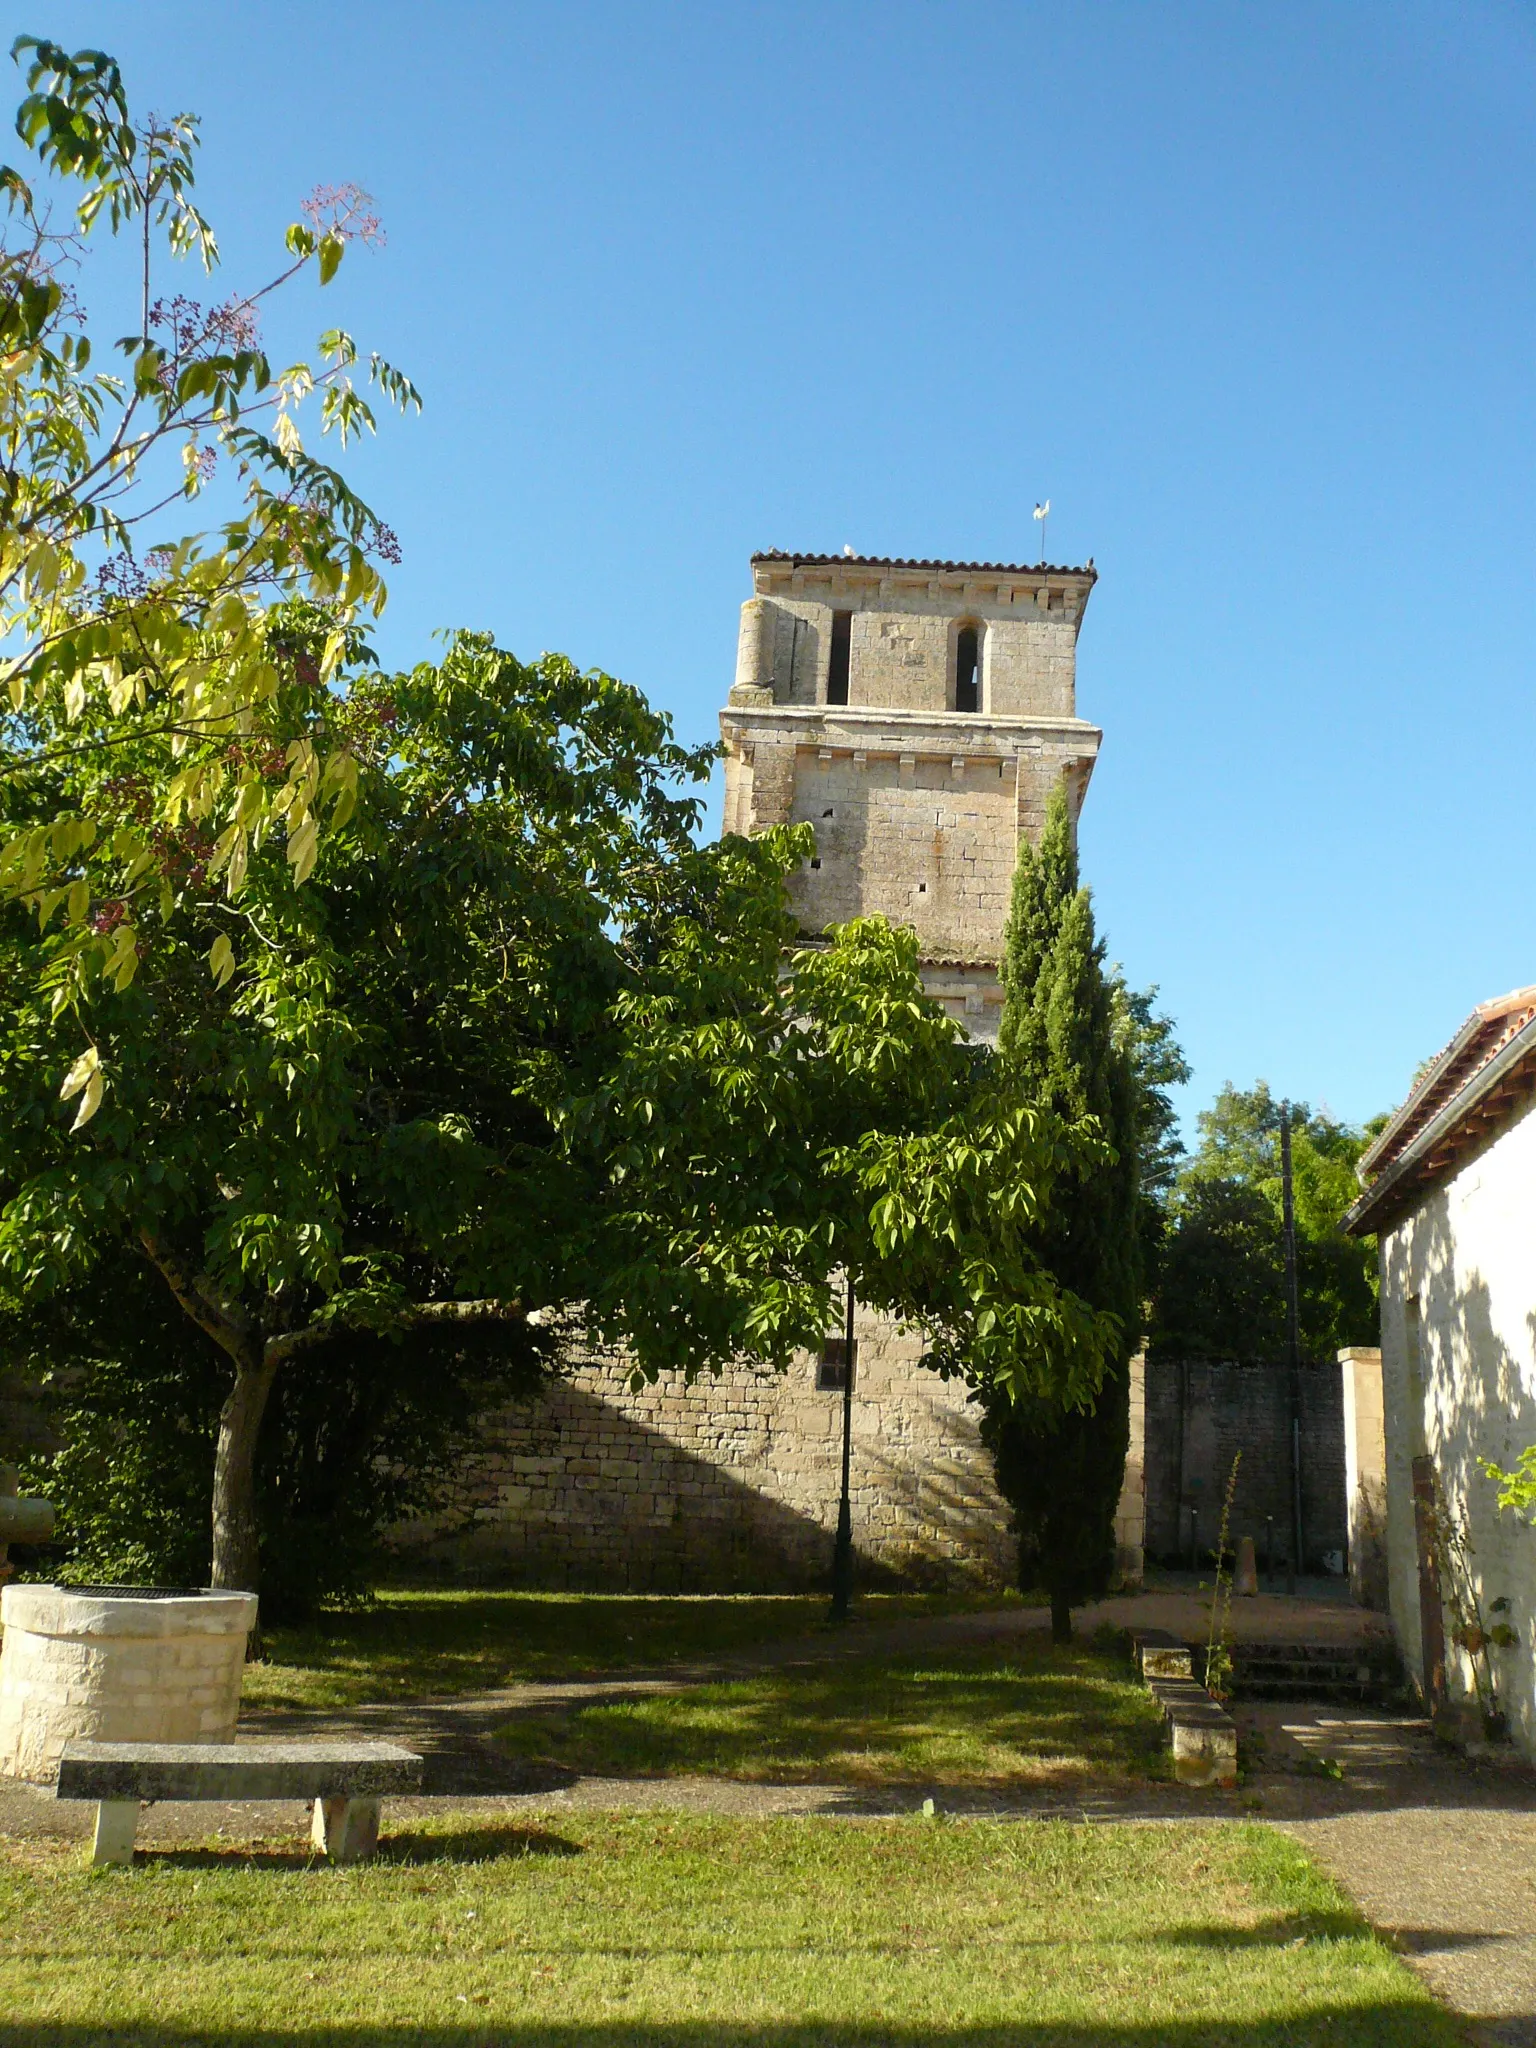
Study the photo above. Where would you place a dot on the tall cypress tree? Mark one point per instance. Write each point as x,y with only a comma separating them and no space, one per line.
1061,1470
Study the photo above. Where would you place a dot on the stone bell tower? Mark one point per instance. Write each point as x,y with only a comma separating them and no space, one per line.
917,715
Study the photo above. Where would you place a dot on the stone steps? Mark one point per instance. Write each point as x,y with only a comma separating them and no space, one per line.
1330,1674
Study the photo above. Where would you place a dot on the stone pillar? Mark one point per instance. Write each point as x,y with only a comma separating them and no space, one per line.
1365,1473
1131,1514
755,646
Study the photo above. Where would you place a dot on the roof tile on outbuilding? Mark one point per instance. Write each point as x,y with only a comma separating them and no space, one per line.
1487,1068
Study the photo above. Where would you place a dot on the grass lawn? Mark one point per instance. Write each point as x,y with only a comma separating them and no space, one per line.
419,1645
671,1932
956,1716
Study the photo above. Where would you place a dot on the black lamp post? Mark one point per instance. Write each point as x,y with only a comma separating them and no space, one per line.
842,1553
1292,1346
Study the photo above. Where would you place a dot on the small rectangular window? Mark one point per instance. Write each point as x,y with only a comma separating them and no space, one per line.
837,1367
837,672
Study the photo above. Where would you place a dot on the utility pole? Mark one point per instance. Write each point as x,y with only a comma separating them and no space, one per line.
842,1554
1293,1355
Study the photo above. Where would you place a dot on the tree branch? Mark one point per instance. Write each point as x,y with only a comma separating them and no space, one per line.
422,1316
231,1334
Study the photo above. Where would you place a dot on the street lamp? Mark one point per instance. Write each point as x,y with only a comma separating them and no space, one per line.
842,1553
1292,1346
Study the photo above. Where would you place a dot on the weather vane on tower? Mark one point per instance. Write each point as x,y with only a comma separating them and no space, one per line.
1042,513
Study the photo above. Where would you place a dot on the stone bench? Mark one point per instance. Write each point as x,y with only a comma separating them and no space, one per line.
346,1781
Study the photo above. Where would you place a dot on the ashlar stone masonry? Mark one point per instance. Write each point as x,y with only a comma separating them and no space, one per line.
917,715
732,1483
846,713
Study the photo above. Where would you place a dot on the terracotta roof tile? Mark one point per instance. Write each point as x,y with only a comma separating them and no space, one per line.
1451,1107
904,562
1485,1034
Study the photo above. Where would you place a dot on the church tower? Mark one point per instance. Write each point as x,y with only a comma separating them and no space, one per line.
917,715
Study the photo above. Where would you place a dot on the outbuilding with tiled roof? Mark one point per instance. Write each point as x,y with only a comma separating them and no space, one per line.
1450,1193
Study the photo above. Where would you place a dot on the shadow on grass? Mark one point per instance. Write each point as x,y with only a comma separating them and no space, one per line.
476,1845
460,1845
419,1644
957,1716
1297,1928
1288,1931
1389,2023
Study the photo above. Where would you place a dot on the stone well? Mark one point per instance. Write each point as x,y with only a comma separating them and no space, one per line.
121,1664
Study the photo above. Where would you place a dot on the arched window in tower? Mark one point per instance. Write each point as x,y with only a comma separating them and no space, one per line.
968,670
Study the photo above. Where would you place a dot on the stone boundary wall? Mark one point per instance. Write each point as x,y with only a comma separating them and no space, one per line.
1131,1515
731,1484
1365,1475
1200,1413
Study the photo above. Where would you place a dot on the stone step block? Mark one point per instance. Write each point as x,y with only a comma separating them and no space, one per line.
1161,1655
1202,1734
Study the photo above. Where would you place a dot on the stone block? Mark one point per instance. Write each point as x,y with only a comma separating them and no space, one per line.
346,1830
117,1822
1202,1735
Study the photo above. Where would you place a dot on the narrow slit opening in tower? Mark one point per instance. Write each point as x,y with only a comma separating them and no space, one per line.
837,674
967,696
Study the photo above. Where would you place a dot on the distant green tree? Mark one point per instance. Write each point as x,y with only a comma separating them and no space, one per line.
1221,1286
1158,1063
1068,1044
1159,1066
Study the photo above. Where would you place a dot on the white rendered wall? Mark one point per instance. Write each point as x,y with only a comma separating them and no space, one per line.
1467,1256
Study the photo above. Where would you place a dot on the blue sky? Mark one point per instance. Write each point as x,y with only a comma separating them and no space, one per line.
1248,292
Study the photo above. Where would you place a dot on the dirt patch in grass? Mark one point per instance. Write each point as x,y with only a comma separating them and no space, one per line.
960,1716
689,1931
426,1645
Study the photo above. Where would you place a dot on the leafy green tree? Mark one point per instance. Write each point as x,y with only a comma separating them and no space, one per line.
519,1043
117,617
1222,1283
372,1432
1066,1044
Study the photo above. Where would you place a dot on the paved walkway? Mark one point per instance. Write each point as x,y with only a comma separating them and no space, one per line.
1439,1854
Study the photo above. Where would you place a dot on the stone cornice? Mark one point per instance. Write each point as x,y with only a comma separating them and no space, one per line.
935,735
1046,591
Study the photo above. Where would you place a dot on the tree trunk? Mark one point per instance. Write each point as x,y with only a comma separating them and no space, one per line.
1061,1617
236,1553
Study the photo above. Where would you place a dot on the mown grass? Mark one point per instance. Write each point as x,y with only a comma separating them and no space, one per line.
421,1645
676,1932
978,1716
